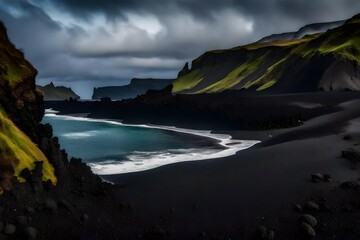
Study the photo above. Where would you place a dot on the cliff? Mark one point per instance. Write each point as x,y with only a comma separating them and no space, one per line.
39,186
306,30
52,92
136,87
325,61
21,109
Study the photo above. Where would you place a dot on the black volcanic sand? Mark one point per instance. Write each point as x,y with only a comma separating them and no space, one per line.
228,198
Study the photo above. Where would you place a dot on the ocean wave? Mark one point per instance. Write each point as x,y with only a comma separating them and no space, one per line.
80,135
141,161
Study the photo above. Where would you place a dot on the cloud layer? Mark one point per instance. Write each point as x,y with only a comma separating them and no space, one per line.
113,41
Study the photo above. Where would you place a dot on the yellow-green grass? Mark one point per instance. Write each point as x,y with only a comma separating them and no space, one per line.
266,85
20,152
268,79
342,43
188,81
236,75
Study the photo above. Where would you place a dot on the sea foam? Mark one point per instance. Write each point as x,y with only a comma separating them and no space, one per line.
141,161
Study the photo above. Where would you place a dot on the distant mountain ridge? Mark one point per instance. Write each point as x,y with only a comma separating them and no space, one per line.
52,92
136,87
306,30
328,61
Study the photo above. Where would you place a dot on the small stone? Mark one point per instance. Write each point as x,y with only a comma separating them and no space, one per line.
311,220
21,220
307,230
298,208
30,210
10,229
65,204
26,174
347,137
327,178
325,207
50,204
261,232
312,206
349,185
31,233
317,177
84,218
271,235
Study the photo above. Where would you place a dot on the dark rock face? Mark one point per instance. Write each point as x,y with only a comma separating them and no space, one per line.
135,88
36,209
327,61
185,70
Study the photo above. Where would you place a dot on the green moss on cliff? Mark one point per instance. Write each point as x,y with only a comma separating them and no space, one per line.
21,104
339,44
188,81
18,152
236,76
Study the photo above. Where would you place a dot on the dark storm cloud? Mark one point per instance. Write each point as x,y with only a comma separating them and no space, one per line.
109,39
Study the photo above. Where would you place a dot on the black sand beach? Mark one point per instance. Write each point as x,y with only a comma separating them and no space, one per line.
255,187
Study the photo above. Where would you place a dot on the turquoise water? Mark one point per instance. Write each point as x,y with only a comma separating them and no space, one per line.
112,148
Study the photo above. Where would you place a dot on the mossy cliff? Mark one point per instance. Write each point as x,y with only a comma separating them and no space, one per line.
324,61
21,110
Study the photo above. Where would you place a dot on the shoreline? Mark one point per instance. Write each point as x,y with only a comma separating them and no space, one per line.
257,186
229,146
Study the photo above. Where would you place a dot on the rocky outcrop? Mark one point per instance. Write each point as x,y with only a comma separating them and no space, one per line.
326,61
185,70
136,87
52,92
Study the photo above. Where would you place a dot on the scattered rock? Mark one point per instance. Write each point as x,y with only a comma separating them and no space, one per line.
307,230
21,220
263,233
327,178
317,177
347,137
271,235
31,233
325,207
84,218
352,155
349,185
26,174
65,204
10,229
298,207
312,206
50,204
309,219
30,210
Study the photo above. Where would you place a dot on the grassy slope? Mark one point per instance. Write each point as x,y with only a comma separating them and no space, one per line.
20,151
342,43
17,151
188,81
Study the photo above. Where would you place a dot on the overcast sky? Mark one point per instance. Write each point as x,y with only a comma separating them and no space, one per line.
87,43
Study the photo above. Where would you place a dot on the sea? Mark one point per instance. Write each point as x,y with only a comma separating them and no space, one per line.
111,147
